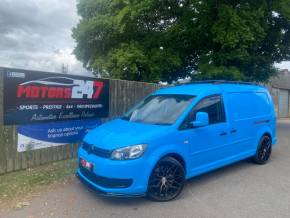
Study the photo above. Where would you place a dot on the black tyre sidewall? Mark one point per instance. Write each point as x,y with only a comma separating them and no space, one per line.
172,161
256,158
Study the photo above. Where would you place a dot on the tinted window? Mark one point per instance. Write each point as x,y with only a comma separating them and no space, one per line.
212,105
159,109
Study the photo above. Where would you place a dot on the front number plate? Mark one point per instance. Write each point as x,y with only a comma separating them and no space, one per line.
86,164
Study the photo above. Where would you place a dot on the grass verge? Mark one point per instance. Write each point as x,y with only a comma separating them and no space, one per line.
21,184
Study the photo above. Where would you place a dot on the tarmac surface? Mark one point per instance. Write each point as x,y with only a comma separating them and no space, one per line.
239,190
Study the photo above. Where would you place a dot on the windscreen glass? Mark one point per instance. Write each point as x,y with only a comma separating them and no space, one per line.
159,109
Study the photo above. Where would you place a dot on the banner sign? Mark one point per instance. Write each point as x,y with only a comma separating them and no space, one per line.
34,97
38,136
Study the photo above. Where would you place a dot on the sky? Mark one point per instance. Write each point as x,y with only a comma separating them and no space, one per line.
36,35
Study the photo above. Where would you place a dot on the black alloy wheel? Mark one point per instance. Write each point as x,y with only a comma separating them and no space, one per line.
264,150
167,180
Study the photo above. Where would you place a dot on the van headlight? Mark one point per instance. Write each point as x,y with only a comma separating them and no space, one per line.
129,152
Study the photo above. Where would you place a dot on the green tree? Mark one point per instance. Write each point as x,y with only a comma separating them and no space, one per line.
164,40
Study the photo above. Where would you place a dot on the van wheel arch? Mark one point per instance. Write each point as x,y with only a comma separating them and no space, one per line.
178,157
267,134
261,134
264,149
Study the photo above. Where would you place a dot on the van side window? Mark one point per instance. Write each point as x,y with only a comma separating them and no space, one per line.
213,105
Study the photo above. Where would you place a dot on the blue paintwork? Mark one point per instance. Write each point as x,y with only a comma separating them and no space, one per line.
202,149
202,119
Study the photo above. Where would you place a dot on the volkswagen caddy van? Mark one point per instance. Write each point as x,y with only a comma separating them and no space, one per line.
175,134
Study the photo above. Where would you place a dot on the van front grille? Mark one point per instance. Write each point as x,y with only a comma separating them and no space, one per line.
91,149
104,181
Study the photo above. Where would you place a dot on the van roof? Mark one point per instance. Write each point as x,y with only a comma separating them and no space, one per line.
204,88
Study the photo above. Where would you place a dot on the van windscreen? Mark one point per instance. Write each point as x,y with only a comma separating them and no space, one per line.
159,109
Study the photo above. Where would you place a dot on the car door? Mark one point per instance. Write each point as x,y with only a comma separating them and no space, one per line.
208,144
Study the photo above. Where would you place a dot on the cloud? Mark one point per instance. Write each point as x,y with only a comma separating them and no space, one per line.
283,65
36,34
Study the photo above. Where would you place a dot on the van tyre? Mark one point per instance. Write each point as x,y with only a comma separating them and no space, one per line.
264,150
167,180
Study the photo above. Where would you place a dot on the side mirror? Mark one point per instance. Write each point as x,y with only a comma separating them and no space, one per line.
201,119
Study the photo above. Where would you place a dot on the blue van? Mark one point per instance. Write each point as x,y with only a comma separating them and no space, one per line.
177,133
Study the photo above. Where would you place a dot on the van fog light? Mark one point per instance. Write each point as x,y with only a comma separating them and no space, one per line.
129,152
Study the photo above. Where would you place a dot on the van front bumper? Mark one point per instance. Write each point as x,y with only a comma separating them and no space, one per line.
116,178
105,181
101,192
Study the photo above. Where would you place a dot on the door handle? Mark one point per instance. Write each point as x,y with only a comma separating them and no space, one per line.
223,133
233,131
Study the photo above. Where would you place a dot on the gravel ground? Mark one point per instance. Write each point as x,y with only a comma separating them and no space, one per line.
240,190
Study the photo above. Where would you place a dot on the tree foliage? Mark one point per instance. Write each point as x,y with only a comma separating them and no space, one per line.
164,40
